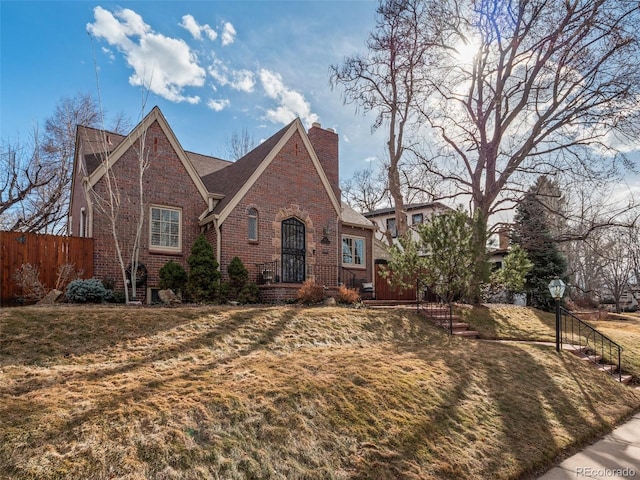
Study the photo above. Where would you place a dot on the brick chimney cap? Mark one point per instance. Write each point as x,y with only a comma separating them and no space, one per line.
316,124
331,130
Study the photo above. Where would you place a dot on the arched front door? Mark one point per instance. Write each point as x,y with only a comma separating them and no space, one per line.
293,251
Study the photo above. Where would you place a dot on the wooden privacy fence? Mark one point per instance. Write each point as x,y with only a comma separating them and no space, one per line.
47,252
384,291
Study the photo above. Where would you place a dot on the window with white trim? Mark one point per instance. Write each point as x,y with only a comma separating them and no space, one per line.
252,225
391,227
353,251
165,226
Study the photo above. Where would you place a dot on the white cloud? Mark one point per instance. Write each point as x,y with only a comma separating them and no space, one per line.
164,65
228,34
108,53
189,23
292,104
241,80
218,105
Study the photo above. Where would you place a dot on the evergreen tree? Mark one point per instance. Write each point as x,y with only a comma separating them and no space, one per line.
444,256
173,276
239,288
531,232
204,275
513,274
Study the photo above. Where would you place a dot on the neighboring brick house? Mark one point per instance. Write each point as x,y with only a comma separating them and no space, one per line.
278,208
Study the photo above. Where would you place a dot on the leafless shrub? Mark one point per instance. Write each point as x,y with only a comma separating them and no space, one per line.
67,274
27,277
310,292
348,295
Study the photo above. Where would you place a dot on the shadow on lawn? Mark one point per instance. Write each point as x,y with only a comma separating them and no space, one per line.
511,390
524,409
209,338
115,398
37,335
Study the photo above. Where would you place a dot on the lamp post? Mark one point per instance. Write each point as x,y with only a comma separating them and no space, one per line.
556,288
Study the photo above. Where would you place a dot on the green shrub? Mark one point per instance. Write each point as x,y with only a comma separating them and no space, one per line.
238,288
87,291
202,285
250,293
173,276
238,275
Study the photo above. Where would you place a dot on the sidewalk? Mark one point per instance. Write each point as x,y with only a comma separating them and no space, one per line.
616,456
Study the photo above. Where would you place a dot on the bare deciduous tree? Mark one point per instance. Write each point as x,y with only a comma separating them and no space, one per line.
549,87
366,190
239,144
389,79
22,172
44,207
511,90
617,267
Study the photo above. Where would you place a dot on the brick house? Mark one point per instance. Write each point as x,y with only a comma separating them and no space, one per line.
277,208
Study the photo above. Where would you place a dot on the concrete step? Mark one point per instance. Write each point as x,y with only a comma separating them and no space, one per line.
454,325
626,379
389,303
575,349
466,333
608,368
444,316
591,358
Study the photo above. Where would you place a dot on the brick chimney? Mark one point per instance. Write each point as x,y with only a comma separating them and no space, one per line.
325,144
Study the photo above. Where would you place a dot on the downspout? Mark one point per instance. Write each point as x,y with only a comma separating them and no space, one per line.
338,245
217,225
372,262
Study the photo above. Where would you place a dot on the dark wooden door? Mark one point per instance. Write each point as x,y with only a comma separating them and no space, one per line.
293,251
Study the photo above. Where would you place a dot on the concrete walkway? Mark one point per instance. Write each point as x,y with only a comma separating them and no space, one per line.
616,456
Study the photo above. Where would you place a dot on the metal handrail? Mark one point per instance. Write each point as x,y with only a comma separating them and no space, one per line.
347,278
268,272
324,274
429,308
580,334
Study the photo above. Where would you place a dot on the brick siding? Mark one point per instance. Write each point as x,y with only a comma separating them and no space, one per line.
290,187
166,183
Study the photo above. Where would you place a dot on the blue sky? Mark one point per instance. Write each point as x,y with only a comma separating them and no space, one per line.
214,68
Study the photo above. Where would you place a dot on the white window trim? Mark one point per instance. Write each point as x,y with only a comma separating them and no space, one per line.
257,217
362,265
165,249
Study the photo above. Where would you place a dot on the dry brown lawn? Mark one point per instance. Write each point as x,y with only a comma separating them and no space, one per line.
283,393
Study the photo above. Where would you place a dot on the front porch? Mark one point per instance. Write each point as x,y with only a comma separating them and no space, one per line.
268,277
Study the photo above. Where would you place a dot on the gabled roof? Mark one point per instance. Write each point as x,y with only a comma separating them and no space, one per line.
235,180
96,142
213,177
205,164
352,218
126,142
233,177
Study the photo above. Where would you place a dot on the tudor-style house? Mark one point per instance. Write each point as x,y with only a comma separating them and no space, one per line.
278,208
